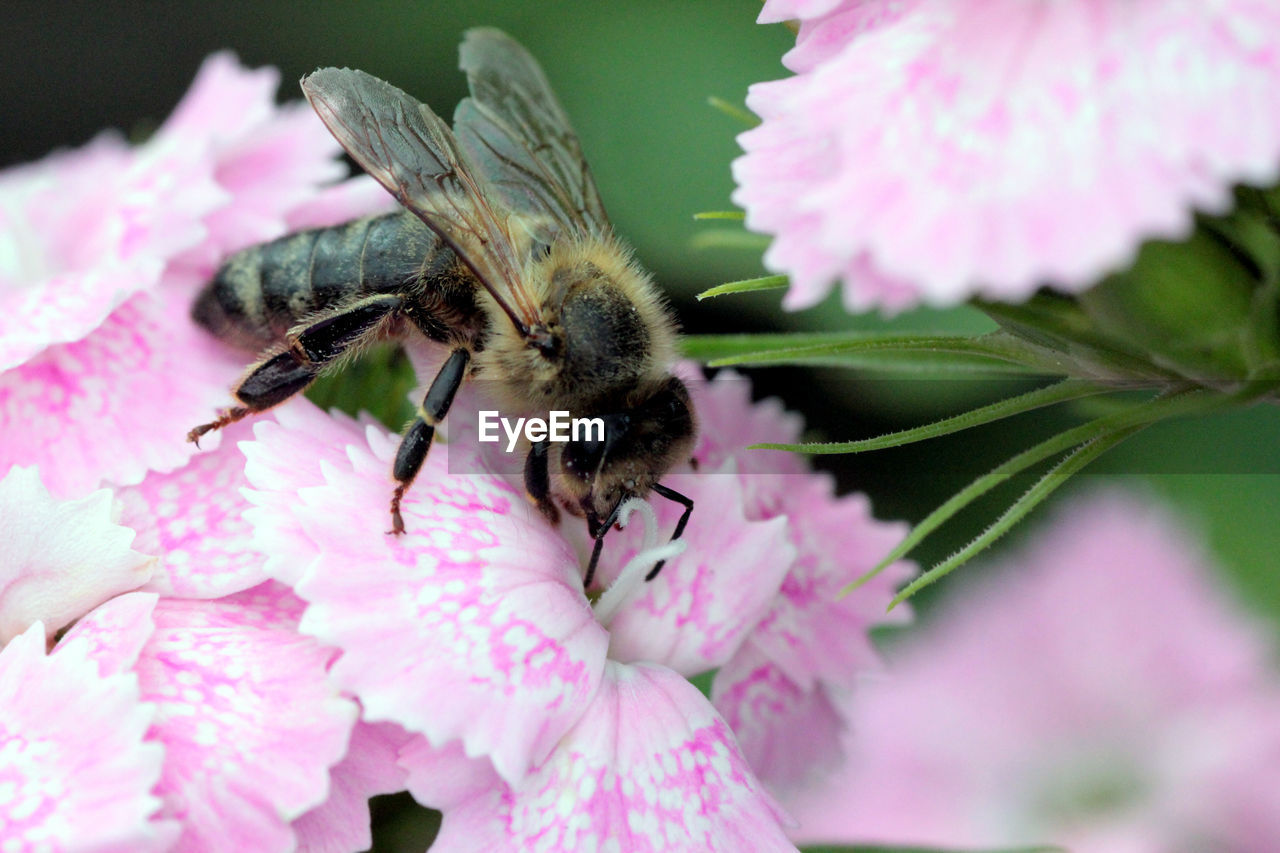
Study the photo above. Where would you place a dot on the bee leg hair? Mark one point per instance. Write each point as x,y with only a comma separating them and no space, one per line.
417,439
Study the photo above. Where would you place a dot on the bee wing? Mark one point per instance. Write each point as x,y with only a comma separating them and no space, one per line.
409,150
516,130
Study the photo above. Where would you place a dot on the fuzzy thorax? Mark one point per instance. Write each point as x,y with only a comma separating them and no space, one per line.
613,337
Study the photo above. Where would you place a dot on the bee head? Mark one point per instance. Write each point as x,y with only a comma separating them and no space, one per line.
637,448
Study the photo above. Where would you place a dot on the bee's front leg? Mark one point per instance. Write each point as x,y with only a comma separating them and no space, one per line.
537,481
417,439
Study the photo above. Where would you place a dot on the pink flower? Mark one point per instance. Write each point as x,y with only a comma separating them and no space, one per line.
101,251
212,721
933,150
1100,693
76,770
60,559
472,629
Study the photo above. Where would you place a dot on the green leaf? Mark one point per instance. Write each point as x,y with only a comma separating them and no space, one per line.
749,285
733,111
1053,479
938,354
1176,403
725,238
1068,389
720,214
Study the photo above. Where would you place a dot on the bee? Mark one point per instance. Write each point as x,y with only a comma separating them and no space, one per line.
502,253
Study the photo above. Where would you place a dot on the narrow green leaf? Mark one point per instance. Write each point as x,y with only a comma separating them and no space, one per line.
1053,479
1175,404
747,285
733,111
860,350
727,238
720,214
855,351
1068,389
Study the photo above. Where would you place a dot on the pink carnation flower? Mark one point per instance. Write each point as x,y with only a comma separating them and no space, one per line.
1100,693
209,722
101,251
473,631
932,150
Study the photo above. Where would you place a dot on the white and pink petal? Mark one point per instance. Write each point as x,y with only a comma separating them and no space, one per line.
76,768
119,403
60,559
195,518
341,824
471,626
249,721
650,767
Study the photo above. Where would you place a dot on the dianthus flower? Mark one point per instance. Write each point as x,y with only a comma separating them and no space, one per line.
1101,693
932,150
101,249
154,721
544,717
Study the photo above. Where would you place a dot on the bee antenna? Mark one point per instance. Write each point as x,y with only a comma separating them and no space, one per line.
598,535
687,503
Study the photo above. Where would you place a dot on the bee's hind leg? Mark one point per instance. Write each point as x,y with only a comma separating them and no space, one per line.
282,373
272,381
417,439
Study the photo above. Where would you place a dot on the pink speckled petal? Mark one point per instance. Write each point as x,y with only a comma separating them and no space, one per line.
1015,144
194,517
472,625
731,421
444,777
250,724
694,615
790,735
812,631
118,403
75,771
60,559
650,767
292,443
116,631
341,825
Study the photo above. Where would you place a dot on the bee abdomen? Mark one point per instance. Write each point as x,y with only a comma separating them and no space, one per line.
263,291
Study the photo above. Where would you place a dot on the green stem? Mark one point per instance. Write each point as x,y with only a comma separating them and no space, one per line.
1068,389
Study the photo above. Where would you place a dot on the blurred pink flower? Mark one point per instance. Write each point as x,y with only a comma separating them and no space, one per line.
932,150
473,630
101,252
1101,693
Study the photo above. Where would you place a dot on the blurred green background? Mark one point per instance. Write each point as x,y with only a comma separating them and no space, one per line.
635,78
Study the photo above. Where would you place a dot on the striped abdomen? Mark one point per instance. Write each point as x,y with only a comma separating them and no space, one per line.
262,292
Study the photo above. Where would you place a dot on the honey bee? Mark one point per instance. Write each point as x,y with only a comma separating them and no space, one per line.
502,253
